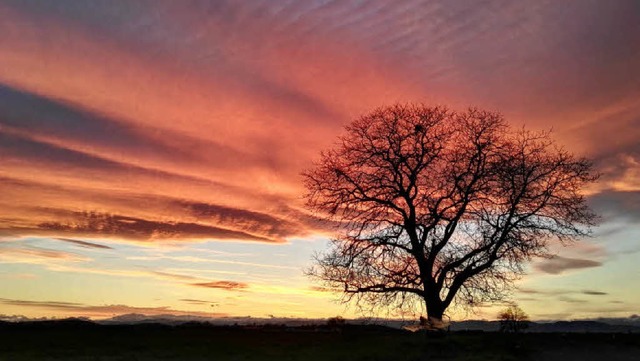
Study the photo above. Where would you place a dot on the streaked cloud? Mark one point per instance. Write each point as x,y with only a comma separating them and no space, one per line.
70,309
199,302
246,115
557,264
173,276
36,255
166,124
617,205
549,292
223,285
568,299
83,244
103,224
594,293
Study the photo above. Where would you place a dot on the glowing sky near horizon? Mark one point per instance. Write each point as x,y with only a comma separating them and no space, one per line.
150,151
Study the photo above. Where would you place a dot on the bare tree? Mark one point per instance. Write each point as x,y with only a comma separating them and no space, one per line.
437,206
513,319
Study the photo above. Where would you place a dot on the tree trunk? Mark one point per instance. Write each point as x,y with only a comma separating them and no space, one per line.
435,311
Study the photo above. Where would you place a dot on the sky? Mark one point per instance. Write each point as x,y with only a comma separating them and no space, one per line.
151,151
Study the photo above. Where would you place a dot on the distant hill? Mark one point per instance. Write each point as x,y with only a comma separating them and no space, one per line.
581,326
135,318
601,325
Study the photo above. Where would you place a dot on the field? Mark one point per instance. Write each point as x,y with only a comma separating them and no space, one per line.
85,341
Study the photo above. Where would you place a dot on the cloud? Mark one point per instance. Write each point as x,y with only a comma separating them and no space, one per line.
192,259
558,292
59,160
321,289
594,293
72,309
83,244
579,299
68,126
58,261
21,276
173,276
223,285
570,299
617,205
557,264
529,291
171,121
250,221
101,224
50,304
36,255
229,119
199,302
276,226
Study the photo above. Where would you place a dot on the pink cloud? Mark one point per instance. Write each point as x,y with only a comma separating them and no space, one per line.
223,285
204,118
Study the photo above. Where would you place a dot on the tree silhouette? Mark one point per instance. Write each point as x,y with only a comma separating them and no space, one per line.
513,319
438,206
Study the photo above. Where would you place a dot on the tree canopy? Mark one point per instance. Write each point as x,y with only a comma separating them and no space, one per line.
513,319
438,206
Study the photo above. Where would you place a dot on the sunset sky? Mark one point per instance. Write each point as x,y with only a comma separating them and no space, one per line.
150,151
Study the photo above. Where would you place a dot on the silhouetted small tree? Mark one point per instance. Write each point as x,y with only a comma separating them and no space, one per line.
336,322
513,319
438,206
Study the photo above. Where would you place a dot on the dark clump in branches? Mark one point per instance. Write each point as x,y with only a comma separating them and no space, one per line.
438,206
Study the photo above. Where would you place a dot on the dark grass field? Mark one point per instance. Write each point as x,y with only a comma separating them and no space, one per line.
87,341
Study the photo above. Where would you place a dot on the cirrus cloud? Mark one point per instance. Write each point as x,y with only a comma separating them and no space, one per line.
557,264
72,309
223,285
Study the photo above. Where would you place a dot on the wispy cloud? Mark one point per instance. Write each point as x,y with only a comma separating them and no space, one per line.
50,304
161,218
568,299
557,264
223,285
36,255
560,292
83,244
199,302
324,64
102,224
615,205
173,276
167,123
72,309
196,259
594,293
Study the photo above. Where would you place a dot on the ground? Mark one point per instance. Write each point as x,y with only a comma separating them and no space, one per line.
77,341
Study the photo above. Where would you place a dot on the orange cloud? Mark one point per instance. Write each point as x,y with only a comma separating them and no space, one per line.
162,217
221,121
165,122
37,256
101,224
223,285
